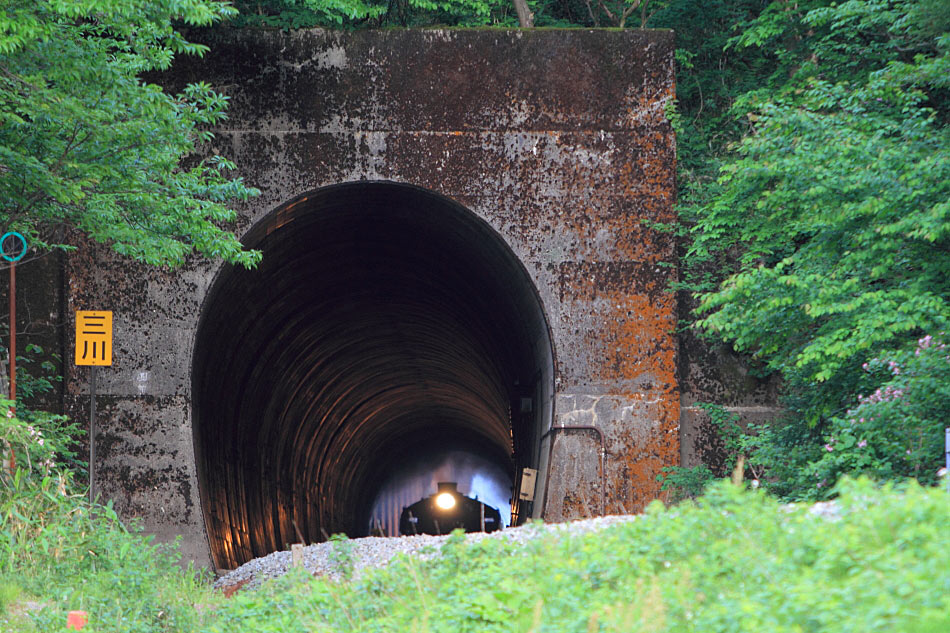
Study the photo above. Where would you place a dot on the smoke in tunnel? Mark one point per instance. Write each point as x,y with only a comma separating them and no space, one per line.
476,476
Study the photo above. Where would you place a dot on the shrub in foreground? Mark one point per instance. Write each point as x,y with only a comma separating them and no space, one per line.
59,553
732,561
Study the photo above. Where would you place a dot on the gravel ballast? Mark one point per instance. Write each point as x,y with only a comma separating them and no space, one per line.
373,552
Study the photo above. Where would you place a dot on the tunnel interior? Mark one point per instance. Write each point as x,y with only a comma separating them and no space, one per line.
385,326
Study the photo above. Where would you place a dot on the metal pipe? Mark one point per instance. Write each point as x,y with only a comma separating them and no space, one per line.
12,354
603,461
92,434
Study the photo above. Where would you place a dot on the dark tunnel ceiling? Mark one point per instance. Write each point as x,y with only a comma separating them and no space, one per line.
384,321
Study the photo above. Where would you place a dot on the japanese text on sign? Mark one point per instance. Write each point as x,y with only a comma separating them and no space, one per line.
93,337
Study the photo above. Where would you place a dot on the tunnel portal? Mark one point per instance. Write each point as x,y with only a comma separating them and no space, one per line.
384,323
478,267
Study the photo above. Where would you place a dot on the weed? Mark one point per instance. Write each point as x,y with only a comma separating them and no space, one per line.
341,555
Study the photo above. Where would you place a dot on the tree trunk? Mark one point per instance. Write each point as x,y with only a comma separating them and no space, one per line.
525,17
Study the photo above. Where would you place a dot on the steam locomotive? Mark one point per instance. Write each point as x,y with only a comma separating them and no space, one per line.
446,510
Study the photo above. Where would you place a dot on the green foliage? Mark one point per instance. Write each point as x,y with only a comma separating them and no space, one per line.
731,561
295,14
35,373
689,483
341,555
710,77
65,554
834,209
729,430
9,593
621,13
86,144
685,482
897,430
292,14
37,441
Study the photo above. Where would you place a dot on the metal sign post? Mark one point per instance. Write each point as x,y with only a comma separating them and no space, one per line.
13,259
92,433
93,349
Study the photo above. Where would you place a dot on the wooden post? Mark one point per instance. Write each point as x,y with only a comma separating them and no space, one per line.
296,555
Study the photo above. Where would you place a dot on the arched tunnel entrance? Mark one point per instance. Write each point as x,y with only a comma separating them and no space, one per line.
386,326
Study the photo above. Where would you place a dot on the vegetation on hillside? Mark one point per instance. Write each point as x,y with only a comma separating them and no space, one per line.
833,213
814,192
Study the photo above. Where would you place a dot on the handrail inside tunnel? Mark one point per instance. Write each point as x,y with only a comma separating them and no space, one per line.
384,323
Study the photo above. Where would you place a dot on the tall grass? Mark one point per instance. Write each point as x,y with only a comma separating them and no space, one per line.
60,553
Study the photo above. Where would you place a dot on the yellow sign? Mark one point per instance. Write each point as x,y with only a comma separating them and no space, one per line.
93,337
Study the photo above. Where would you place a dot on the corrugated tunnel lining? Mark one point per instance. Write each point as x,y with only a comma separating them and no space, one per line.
384,321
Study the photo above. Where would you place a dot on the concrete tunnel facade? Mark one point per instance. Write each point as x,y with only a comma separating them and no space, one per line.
459,251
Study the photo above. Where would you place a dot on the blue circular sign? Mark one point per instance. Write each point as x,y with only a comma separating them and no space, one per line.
3,252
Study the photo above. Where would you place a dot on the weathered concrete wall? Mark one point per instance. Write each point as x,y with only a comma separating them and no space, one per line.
145,453
556,138
714,373
40,322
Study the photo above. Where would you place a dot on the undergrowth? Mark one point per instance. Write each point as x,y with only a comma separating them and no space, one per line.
733,560
59,553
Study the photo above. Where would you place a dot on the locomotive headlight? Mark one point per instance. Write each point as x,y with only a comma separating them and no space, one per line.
446,501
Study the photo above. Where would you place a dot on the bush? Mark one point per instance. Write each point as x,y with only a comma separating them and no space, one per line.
830,218
61,553
896,431
690,482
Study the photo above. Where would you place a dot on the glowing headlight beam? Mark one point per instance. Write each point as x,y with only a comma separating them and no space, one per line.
446,501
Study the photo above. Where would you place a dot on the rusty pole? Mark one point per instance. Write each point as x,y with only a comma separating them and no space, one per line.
13,334
13,259
12,412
